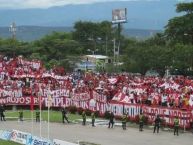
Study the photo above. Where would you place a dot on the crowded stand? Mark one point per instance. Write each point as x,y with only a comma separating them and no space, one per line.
22,79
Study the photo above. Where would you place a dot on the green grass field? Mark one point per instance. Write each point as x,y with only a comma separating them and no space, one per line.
2,142
55,116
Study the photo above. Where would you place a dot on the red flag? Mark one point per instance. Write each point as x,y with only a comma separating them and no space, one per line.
32,103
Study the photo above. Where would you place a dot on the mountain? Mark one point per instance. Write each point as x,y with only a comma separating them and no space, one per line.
31,33
146,14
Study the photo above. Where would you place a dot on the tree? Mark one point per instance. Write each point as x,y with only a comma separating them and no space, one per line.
94,36
180,29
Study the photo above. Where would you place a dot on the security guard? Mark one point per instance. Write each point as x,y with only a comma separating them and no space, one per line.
93,119
111,119
191,125
2,110
176,125
20,115
157,122
64,115
124,121
141,121
37,116
83,118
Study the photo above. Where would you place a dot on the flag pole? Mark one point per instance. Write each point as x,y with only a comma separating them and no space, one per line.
32,108
32,129
49,120
40,107
49,104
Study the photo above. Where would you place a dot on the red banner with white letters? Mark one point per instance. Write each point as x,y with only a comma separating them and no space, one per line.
168,114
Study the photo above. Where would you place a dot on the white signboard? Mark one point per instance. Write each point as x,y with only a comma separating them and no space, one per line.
60,142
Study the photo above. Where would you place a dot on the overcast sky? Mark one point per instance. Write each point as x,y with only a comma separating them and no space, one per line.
17,4
41,3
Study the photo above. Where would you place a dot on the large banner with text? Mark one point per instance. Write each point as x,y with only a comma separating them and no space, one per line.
133,110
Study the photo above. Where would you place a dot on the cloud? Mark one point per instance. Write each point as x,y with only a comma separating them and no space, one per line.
18,4
41,3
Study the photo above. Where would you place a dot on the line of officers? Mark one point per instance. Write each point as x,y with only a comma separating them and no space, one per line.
37,115
111,123
157,123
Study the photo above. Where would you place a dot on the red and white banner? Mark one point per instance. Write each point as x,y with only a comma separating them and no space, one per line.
81,96
26,76
18,101
118,109
11,93
99,97
168,115
56,93
57,77
34,63
113,80
132,110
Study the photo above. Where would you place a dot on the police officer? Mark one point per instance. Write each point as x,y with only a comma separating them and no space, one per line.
157,122
83,118
2,110
176,125
111,120
192,126
64,115
93,119
124,121
141,121
20,115
37,116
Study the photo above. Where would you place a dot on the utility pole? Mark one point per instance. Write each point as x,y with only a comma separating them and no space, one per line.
114,52
13,30
119,42
106,45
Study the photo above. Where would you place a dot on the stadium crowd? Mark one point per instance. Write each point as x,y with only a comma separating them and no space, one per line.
30,77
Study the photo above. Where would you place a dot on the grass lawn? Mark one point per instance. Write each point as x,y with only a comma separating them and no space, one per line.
3,142
55,116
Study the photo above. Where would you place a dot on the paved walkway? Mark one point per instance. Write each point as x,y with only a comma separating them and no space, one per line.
101,134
